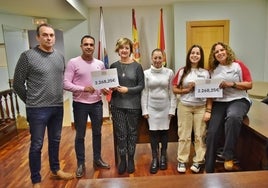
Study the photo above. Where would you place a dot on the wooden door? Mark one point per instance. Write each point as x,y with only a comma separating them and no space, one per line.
206,33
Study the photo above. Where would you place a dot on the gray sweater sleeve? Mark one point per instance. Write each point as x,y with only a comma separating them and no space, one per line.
20,75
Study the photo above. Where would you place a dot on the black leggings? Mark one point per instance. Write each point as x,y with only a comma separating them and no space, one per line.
155,137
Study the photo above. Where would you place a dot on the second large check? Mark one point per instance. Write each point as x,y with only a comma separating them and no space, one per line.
208,88
107,78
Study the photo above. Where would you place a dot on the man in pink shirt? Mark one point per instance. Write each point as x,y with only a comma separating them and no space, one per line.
86,102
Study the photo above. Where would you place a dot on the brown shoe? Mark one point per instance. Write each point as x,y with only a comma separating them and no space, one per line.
36,185
228,165
62,175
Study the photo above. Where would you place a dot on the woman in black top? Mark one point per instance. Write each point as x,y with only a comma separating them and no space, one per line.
126,104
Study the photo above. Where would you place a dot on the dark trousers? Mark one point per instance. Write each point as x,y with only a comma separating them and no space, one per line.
39,119
227,117
125,123
81,113
156,137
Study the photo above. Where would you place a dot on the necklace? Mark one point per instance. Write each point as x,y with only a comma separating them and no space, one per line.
123,68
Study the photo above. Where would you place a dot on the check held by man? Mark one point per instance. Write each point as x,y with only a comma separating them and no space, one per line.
107,78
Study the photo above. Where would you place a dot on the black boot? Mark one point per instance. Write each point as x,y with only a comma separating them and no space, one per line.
163,162
130,165
154,166
122,165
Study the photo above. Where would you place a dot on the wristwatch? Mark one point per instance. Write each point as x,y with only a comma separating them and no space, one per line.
234,85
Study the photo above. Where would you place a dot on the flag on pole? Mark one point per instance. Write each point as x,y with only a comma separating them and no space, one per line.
135,37
161,37
102,53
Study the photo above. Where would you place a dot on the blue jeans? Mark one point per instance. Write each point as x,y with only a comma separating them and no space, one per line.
39,119
81,112
227,118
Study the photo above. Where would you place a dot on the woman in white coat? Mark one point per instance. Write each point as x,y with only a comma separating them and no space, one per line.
158,106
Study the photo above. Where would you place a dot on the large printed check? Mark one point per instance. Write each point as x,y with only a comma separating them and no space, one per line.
107,78
208,88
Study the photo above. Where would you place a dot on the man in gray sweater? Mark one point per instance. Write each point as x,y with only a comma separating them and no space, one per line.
38,81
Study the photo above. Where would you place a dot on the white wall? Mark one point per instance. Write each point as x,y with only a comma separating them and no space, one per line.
15,41
265,68
248,29
118,23
72,39
18,22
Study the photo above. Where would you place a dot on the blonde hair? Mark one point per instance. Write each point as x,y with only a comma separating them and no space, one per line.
123,41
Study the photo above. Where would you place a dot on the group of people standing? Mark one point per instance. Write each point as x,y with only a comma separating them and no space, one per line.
41,76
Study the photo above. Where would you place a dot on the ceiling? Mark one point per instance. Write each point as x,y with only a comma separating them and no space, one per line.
61,9
122,3
57,9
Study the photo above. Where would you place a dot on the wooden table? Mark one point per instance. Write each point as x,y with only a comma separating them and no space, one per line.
250,179
252,148
259,90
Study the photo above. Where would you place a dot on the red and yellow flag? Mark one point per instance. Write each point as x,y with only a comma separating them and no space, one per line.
161,37
135,38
